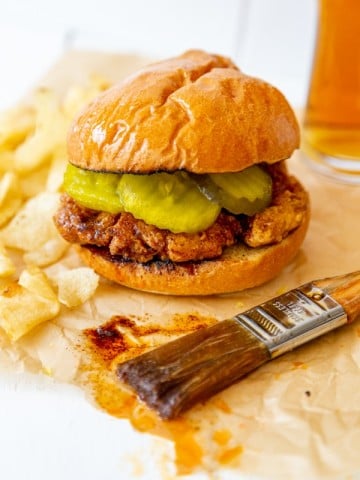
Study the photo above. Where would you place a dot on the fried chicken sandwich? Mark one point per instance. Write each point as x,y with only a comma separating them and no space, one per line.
177,181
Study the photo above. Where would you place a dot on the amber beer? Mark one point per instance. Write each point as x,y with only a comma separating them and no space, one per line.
332,117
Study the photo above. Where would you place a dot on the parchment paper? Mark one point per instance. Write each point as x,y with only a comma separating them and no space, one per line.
298,416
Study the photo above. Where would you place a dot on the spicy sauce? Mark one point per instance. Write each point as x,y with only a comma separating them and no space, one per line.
119,339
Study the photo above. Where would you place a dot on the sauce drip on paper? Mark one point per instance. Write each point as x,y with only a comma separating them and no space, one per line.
122,338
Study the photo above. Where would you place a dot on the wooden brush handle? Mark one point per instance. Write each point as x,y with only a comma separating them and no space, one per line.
345,289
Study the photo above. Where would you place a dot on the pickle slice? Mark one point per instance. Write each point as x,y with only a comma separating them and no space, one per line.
93,190
168,201
247,192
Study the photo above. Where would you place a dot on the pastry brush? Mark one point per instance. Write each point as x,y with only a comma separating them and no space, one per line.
192,368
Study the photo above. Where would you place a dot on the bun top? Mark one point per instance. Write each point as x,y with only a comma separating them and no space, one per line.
196,112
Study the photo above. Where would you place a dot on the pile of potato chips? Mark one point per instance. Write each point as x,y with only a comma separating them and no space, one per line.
32,163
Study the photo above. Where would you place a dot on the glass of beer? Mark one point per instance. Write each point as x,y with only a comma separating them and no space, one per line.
331,136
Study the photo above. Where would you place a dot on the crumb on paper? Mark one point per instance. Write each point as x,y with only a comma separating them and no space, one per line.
230,455
47,371
239,305
281,290
299,364
222,437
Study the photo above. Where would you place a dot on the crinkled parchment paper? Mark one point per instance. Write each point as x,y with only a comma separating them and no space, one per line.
296,417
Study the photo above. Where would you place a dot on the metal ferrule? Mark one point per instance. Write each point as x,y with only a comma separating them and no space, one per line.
294,318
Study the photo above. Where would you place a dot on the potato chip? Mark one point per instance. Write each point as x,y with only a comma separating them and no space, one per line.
56,172
6,160
76,286
47,253
10,196
7,267
34,182
50,132
26,304
36,281
15,125
32,163
33,225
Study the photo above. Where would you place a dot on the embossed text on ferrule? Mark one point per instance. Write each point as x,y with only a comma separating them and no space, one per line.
292,319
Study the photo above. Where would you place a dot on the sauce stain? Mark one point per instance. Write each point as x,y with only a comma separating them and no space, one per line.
120,339
107,340
230,455
221,405
187,449
301,365
222,437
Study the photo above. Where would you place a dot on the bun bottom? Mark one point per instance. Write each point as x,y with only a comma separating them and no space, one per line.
239,267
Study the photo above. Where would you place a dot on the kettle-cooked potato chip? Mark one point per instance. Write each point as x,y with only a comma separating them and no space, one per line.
76,286
49,252
33,225
50,132
26,304
7,267
15,125
32,163
10,196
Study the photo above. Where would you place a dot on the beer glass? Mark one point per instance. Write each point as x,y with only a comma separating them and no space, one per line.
331,137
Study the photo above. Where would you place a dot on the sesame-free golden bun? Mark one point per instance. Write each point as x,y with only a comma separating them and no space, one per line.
196,112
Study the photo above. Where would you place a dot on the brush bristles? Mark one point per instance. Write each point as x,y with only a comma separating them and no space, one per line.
172,378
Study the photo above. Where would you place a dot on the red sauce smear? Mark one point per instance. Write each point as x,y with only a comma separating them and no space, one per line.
120,339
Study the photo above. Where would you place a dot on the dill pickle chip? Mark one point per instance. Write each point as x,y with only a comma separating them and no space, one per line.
93,190
169,201
247,192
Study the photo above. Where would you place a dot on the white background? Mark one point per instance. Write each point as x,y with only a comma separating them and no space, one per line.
48,430
269,38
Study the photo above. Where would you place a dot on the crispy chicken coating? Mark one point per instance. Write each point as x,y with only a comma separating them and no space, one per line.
135,240
286,212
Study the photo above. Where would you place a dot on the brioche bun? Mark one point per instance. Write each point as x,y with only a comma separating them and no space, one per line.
200,113
195,112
